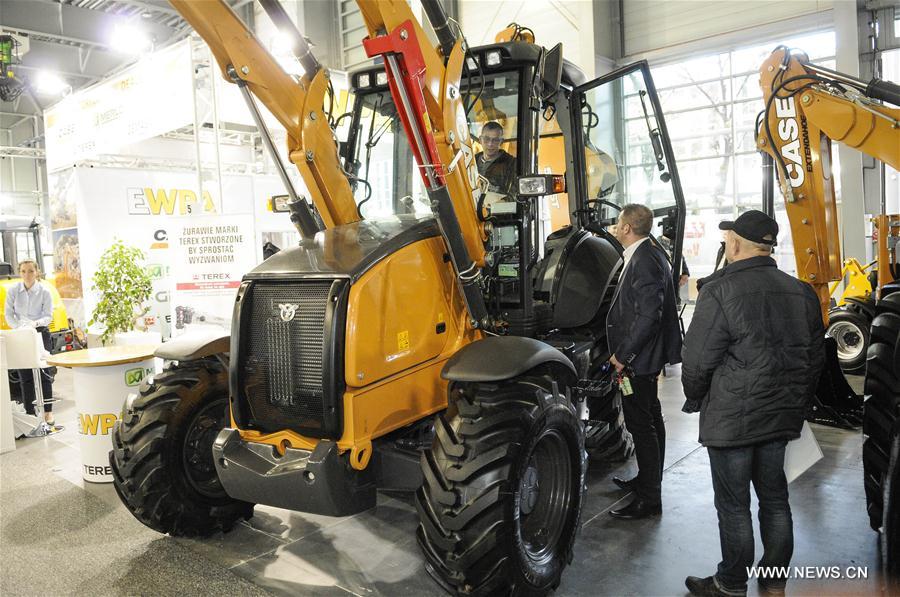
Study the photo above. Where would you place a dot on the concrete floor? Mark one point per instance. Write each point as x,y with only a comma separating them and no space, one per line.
60,535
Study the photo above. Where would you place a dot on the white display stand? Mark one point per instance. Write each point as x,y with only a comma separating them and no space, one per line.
103,378
7,435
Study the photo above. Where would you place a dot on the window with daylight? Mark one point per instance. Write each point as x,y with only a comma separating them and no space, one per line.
710,105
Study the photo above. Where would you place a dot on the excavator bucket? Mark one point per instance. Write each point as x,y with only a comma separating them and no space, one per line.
835,403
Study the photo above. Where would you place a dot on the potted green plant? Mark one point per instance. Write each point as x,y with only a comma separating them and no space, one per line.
124,286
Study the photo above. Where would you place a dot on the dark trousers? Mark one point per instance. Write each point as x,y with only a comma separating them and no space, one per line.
643,418
26,380
733,469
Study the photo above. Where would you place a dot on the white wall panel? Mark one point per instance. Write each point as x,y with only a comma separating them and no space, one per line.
568,21
655,24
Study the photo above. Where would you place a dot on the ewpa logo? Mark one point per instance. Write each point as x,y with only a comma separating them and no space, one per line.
145,201
134,376
89,424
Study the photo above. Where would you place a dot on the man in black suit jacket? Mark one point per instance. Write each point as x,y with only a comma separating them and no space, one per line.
643,335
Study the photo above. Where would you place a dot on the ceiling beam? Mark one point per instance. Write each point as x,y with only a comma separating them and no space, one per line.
61,73
146,6
72,24
55,36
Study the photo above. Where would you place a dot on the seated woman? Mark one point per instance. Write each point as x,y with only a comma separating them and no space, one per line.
29,304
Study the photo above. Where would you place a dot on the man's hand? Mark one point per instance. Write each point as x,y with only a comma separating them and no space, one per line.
683,280
691,406
615,363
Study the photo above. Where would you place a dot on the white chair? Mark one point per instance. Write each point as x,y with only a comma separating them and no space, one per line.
25,350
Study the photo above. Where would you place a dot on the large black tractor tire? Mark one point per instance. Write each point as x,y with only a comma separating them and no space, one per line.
162,457
504,487
607,439
850,329
881,425
890,529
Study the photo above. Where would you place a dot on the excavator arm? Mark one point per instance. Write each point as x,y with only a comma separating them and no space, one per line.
424,83
296,103
808,107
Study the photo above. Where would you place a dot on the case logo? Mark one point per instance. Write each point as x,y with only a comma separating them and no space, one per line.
287,311
793,151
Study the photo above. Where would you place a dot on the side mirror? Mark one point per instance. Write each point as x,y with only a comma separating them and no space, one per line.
541,184
552,71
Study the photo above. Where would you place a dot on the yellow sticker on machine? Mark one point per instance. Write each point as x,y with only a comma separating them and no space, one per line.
427,122
403,340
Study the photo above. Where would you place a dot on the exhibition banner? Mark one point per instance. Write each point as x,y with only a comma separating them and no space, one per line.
210,254
143,208
123,109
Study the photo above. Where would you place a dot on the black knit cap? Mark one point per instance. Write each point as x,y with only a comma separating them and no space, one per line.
755,226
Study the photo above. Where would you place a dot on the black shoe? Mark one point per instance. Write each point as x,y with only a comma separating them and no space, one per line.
637,509
708,587
626,484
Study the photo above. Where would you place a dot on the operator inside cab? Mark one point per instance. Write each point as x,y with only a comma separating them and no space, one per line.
495,164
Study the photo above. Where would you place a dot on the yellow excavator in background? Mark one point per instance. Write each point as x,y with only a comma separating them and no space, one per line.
458,353
853,311
20,239
808,106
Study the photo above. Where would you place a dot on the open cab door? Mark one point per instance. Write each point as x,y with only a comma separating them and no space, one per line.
622,155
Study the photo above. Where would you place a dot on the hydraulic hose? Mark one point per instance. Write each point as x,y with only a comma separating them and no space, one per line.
884,90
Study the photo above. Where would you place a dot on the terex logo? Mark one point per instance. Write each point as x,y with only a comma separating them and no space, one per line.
789,131
153,202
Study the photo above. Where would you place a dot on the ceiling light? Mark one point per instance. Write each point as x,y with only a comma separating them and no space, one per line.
50,84
128,39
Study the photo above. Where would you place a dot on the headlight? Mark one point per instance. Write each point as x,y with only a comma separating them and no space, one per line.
493,58
532,185
363,80
279,203
470,62
381,78
541,184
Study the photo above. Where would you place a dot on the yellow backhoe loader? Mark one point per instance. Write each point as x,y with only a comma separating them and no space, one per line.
807,107
853,311
424,335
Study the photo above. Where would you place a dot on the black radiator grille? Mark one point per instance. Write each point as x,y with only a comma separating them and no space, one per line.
284,356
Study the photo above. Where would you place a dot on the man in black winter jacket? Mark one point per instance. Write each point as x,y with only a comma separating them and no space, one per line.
751,361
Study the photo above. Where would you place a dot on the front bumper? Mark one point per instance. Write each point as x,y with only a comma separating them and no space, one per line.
317,481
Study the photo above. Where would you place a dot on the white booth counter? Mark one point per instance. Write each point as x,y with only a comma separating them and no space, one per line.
103,378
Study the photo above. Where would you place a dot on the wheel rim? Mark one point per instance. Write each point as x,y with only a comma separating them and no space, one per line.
545,497
849,338
197,456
